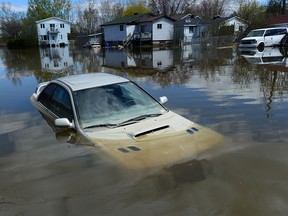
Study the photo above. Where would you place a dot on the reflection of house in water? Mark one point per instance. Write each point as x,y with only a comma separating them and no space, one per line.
147,59
55,59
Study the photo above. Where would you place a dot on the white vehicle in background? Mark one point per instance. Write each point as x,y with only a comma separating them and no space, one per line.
260,38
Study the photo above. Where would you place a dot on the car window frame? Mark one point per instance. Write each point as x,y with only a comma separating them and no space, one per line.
48,104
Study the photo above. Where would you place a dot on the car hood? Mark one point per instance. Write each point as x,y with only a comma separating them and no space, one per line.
251,38
155,141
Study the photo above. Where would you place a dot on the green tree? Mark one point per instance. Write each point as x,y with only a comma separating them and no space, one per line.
135,7
253,13
41,9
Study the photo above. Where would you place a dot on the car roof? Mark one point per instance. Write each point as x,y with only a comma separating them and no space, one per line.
282,27
90,80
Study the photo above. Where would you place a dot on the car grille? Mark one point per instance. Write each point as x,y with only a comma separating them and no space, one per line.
248,41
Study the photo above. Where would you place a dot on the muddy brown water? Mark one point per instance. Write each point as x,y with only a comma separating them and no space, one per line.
241,95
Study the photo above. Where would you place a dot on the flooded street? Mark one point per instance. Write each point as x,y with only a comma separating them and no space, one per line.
239,94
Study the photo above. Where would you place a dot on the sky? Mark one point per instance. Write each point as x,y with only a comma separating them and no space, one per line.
21,5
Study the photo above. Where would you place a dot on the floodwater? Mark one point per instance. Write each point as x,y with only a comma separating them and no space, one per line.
241,95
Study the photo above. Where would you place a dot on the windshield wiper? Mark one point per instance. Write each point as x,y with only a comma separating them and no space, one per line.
102,125
139,118
129,121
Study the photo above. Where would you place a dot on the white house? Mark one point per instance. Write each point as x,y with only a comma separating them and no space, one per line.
156,28
119,30
53,32
151,29
186,27
236,24
138,28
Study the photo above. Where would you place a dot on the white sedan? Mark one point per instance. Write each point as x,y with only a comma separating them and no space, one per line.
123,119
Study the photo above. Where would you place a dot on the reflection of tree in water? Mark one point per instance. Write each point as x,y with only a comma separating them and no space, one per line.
212,61
244,74
87,60
19,64
273,82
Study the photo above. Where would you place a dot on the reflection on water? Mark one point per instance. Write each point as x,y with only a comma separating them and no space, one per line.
55,59
41,173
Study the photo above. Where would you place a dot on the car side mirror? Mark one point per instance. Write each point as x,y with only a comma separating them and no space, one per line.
163,99
64,122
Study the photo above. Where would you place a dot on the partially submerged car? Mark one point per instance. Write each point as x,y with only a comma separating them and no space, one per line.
123,119
260,38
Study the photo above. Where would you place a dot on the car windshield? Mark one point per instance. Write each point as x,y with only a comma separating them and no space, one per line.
256,33
114,104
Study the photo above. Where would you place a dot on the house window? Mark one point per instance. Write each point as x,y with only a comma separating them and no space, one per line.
240,28
159,26
42,25
190,29
52,27
61,25
121,28
43,37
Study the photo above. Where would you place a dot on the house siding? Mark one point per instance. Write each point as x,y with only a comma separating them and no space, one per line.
237,24
113,33
166,32
53,31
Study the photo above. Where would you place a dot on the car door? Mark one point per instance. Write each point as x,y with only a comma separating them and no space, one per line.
56,101
268,37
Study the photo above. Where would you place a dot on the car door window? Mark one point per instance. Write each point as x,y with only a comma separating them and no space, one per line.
57,100
61,104
45,96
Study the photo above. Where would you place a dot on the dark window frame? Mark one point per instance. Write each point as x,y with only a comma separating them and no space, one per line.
57,100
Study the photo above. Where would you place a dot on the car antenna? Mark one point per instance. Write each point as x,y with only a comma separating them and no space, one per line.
124,71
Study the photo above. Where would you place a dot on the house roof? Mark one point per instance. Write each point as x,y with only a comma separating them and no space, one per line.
52,18
180,16
188,21
125,20
219,19
280,19
153,18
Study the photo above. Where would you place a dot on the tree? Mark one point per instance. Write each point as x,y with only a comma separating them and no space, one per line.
41,9
110,10
11,23
252,12
88,17
138,7
169,7
210,8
